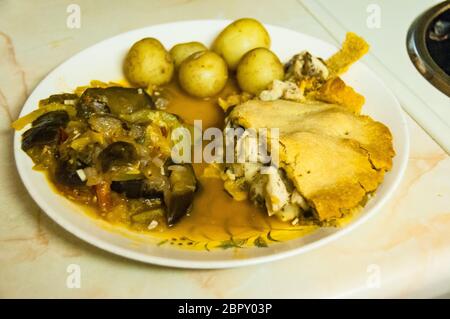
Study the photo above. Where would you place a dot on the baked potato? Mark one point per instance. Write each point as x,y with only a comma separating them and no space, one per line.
148,63
238,38
181,51
257,70
203,74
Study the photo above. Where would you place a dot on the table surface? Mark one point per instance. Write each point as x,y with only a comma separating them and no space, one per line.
406,245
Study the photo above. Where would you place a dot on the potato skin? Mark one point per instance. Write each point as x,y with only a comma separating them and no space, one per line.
148,62
257,70
238,38
203,74
182,51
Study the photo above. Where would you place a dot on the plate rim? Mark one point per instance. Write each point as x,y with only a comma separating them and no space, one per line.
207,264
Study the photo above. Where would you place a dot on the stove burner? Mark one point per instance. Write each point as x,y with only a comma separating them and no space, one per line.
428,44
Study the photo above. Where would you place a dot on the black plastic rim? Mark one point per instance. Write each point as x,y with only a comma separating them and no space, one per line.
418,50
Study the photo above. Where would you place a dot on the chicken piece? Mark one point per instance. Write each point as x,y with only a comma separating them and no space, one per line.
306,66
276,193
282,90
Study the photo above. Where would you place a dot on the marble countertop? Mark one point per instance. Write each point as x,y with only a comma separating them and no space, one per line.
403,251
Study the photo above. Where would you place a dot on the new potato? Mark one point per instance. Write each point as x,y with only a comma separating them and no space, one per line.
203,74
148,62
257,70
181,51
238,38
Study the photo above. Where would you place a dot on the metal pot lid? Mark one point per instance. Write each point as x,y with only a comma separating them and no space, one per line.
428,44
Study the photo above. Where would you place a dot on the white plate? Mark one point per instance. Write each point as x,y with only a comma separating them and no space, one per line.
103,61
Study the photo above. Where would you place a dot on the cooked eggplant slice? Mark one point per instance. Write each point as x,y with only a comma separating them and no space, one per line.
45,130
59,98
178,205
183,185
87,156
97,146
40,135
90,104
115,100
137,188
66,174
108,125
117,154
58,118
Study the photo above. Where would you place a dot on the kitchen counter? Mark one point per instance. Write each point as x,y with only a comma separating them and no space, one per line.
403,251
